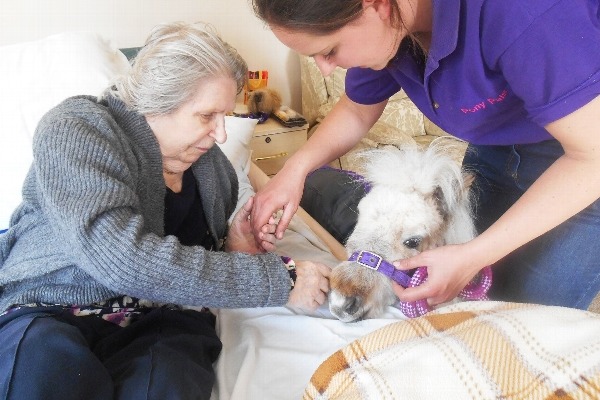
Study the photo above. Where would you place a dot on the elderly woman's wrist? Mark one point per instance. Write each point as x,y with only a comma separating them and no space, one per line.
290,266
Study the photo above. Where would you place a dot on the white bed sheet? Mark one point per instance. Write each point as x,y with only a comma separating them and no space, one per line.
271,353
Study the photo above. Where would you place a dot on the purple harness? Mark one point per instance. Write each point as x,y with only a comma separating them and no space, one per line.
475,290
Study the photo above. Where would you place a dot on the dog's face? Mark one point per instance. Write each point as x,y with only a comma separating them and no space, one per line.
394,225
264,101
419,200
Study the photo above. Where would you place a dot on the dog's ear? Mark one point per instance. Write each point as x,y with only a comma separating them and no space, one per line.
276,99
441,203
467,182
468,179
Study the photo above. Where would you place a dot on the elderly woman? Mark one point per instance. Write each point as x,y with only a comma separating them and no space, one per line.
123,220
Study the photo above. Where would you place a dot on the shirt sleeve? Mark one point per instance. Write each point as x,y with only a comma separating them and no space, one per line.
367,86
553,64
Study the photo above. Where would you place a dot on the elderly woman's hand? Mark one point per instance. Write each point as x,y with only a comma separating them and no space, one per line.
312,285
240,237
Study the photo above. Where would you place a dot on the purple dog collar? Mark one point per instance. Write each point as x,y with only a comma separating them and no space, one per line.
475,290
375,262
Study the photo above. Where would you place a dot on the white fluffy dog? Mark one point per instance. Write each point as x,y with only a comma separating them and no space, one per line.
419,200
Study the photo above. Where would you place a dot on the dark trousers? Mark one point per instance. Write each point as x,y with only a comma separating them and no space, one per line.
561,267
47,353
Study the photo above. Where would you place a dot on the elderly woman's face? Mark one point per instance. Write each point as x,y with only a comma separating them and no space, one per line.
190,131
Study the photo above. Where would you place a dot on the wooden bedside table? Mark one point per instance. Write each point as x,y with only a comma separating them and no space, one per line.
273,143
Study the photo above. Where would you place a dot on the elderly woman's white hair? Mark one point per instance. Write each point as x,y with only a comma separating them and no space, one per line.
175,59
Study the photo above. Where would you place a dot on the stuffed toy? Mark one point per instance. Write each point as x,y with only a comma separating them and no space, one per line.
264,100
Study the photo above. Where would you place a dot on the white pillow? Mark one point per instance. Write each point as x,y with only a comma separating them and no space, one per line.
237,146
34,77
237,149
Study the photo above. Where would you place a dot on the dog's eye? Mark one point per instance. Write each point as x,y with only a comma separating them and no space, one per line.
413,242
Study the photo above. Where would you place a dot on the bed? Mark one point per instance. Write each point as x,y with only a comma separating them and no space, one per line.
480,350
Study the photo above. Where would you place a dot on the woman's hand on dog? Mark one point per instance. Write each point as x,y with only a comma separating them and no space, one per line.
312,285
240,237
449,269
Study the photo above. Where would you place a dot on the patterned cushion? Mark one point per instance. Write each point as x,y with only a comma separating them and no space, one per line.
401,122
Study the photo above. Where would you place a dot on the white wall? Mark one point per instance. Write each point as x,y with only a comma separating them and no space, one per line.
127,23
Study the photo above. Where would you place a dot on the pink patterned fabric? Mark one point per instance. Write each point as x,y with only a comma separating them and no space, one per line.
476,290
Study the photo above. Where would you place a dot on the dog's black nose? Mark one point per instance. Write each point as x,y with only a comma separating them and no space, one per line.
258,97
352,304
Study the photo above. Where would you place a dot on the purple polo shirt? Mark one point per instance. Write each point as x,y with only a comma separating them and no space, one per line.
497,71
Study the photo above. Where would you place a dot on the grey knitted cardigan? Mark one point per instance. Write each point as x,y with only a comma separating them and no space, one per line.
90,226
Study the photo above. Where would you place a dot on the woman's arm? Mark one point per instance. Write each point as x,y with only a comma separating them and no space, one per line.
564,189
343,127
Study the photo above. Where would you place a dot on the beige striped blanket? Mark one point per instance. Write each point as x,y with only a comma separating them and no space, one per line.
475,350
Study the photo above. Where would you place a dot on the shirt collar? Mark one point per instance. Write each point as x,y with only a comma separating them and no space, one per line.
446,19
444,39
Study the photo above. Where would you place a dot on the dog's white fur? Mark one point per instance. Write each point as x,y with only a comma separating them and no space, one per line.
416,196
